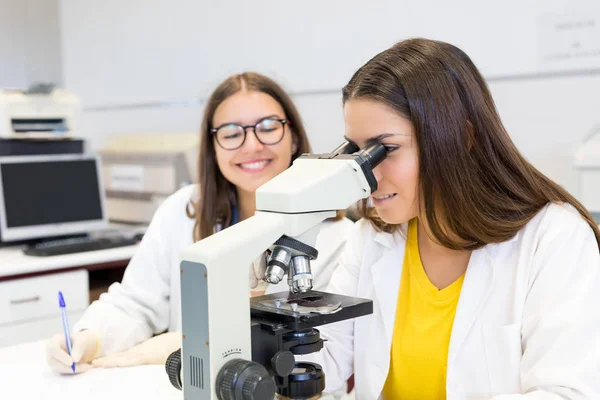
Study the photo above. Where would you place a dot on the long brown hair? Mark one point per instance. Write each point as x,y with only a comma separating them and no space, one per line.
474,185
217,195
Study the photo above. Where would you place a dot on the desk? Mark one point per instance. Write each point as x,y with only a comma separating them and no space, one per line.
25,375
28,286
14,264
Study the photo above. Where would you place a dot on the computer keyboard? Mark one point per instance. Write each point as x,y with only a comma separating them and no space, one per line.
77,245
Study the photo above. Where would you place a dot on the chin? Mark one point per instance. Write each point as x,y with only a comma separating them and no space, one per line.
391,217
252,186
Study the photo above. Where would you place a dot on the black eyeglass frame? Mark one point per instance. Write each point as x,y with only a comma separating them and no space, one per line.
283,121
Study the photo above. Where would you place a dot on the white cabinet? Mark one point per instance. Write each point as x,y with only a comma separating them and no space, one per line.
29,307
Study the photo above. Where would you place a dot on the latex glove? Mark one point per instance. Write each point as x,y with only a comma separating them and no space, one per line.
85,346
257,270
153,351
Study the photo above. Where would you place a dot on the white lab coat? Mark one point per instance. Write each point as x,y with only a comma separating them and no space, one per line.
528,317
148,300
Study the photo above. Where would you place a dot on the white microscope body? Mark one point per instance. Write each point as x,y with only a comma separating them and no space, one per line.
214,271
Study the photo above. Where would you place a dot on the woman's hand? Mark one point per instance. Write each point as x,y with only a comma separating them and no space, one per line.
85,347
153,351
257,270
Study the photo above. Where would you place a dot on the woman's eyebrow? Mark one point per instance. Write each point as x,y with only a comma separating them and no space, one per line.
268,117
379,138
255,122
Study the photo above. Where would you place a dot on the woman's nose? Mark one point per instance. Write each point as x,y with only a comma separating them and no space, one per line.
252,143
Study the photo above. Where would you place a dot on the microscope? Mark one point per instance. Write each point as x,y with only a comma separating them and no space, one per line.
240,348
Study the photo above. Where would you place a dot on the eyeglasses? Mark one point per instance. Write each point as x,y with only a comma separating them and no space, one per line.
268,131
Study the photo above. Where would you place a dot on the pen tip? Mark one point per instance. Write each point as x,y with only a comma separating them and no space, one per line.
61,299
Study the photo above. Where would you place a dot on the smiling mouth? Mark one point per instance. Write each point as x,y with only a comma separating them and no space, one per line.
384,197
254,166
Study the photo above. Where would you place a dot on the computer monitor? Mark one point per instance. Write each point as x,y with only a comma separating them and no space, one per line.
50,195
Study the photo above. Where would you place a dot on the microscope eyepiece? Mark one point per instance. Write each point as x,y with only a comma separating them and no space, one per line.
369,158
374,154
346,148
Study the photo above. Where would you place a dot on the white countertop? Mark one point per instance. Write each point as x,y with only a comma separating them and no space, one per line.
14,262
25,375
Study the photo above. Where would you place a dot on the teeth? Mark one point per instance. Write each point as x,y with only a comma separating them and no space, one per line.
255,165
387,196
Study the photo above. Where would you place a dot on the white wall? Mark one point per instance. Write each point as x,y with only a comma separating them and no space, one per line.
549,118
134,63
29,43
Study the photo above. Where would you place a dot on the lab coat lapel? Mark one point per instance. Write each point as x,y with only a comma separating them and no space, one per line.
386,274
477,285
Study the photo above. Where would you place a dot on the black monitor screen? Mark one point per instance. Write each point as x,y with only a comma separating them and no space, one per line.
50,192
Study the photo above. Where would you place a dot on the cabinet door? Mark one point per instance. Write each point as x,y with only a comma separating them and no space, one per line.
30,299
31,331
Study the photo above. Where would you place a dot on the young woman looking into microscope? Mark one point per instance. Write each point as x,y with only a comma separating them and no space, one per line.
484,273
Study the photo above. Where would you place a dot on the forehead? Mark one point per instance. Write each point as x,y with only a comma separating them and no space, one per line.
365,118
247,107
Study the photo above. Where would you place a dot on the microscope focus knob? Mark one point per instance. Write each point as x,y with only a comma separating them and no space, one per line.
259,387
244,380
173,368
283,362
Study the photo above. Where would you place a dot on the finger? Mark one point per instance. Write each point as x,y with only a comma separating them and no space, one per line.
59,341
82,367
81,345
55,351
252,281
260,266
58,366
263,264
61,368
77,352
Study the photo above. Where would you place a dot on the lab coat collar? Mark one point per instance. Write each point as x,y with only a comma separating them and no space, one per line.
390,240
387,270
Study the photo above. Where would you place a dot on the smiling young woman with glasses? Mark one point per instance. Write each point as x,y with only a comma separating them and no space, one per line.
251,132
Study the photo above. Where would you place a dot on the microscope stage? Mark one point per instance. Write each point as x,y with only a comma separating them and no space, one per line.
307,310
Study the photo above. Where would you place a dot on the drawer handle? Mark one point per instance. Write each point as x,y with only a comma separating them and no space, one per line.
32,299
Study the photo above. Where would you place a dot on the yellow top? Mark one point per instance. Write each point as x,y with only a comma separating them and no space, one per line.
424,319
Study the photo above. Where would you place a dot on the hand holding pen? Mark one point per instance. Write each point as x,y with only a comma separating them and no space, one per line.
65,323
68,353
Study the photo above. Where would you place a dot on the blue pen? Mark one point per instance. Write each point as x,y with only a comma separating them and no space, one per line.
65,321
